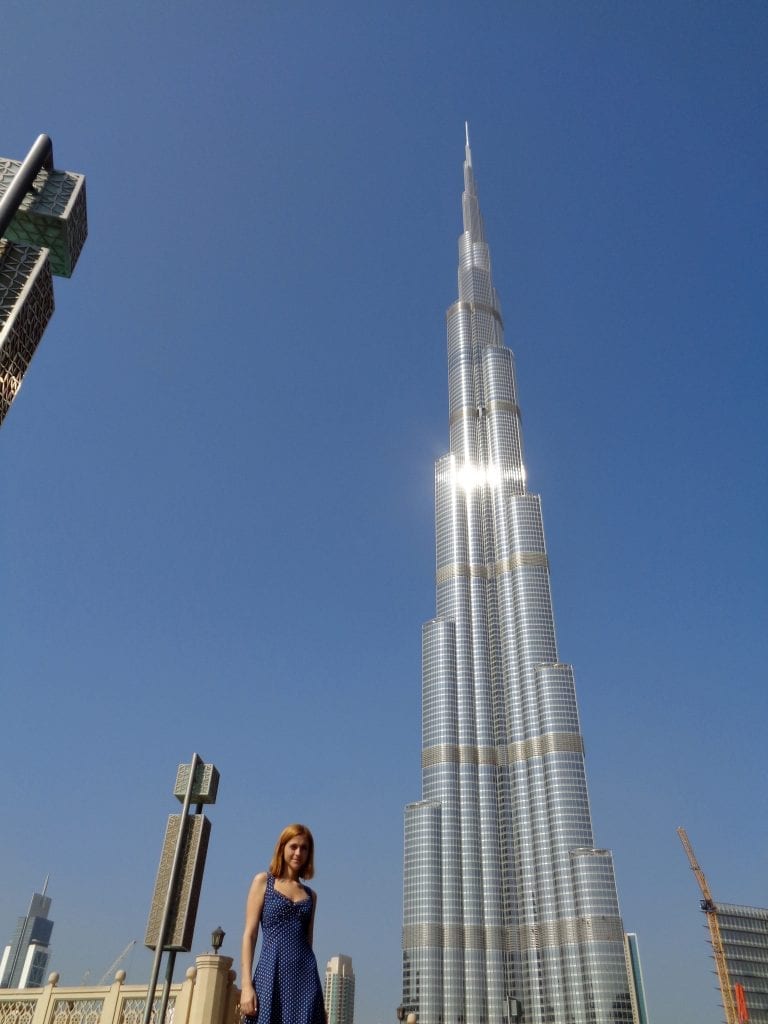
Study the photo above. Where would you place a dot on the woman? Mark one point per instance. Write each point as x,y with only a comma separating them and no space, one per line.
286,986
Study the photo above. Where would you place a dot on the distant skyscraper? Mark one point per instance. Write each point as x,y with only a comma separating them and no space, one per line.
510,912
744,931
635,971
340,990
26,956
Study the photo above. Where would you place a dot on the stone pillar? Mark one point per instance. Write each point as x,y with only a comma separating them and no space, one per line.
183,1002
112,999
211,996
45,998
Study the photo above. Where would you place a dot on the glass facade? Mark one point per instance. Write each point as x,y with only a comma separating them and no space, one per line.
744,931
510,912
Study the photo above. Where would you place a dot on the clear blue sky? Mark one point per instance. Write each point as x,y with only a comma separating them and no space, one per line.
217,528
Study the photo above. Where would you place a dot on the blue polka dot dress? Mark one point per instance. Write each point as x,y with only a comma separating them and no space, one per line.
286,980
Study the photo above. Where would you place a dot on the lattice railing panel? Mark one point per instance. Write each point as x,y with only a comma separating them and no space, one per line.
77,1011
17,1011
132,1010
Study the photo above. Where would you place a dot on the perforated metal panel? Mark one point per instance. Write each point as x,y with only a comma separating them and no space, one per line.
52,216
187,895
26,305
205,785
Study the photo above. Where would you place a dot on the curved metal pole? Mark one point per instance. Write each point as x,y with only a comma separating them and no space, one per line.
41,155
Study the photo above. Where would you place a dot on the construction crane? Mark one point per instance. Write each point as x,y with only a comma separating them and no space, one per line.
710,909
107,976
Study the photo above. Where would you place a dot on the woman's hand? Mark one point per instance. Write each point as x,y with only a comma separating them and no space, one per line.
249,1002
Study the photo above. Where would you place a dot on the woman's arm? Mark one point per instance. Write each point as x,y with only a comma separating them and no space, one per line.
311,928
253,908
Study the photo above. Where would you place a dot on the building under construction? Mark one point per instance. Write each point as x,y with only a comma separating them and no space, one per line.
744,931
739,938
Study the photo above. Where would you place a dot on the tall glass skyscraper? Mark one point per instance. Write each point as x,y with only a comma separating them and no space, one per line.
510,912
25,958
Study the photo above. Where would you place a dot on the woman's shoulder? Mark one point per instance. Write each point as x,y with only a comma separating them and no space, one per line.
260,880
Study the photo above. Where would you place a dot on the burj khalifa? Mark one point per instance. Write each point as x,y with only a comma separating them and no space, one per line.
510,912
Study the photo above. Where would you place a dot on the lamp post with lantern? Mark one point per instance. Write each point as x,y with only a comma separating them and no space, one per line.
217,939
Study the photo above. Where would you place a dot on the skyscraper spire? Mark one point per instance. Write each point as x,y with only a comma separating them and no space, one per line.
510,912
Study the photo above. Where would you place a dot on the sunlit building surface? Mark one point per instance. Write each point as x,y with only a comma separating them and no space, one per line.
744,931
510,911
340,990
26,956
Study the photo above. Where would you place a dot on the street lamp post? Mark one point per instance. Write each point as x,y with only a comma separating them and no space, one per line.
179,880
43,226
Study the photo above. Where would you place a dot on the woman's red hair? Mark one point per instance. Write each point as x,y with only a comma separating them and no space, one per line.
277,864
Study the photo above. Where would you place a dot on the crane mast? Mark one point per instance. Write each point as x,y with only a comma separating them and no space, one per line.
710,909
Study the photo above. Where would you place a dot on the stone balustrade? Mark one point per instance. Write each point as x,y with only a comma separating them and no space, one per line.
207,996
